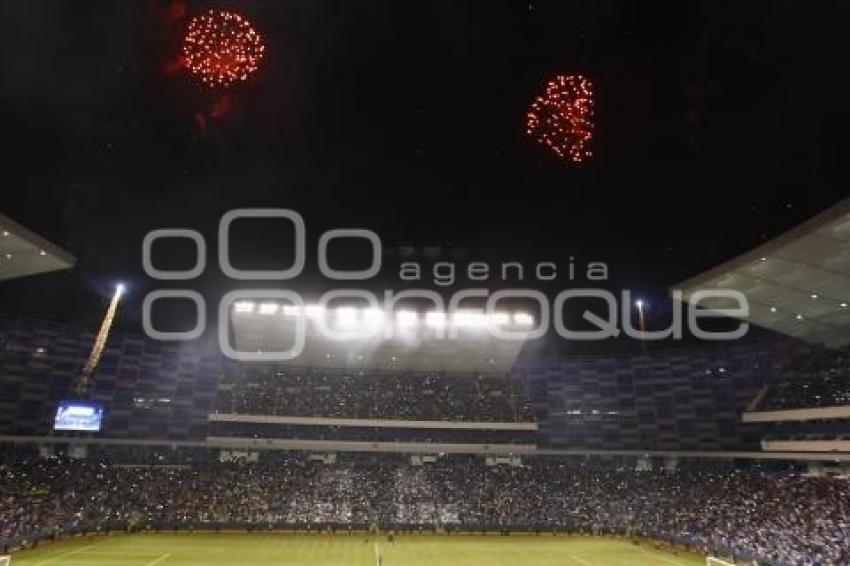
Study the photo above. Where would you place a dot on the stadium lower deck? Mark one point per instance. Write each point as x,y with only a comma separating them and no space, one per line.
770,513
633,448
226,549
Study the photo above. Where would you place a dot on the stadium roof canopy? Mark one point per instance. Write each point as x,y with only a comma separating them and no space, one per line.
23,252
797,284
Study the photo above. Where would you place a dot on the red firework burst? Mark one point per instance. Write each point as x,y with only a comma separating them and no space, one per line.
222,48
562,119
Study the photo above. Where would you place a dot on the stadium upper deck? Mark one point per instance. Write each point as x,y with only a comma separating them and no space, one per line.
688,399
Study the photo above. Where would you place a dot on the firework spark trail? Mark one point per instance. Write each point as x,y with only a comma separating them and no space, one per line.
221,48
562,119
100,341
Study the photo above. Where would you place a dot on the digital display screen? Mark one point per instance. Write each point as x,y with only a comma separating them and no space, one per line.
78,415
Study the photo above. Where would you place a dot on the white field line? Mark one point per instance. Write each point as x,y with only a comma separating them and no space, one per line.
65,554
159,560
377,552
662,558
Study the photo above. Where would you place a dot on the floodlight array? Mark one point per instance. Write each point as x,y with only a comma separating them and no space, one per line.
355,317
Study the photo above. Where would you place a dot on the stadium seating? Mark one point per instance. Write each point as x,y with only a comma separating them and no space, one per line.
819,379
770,514
372,395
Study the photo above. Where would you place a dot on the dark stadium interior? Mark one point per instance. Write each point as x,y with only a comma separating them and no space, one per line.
692,153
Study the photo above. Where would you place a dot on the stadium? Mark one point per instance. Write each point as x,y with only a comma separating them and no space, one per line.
672,389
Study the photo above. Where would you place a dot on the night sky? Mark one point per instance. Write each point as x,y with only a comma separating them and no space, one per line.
719,125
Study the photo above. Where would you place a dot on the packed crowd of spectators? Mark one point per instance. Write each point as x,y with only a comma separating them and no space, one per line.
819,379
373,395
821,429
775,517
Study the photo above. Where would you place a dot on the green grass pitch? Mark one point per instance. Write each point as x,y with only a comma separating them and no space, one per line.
236,549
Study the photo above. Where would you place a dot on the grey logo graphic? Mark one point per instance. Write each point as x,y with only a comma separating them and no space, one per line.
381,319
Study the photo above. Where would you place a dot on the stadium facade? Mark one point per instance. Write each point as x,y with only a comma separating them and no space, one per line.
688,398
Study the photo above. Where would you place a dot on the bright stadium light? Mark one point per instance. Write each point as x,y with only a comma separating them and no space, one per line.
406,318
291,310
498,318
119,289
373,316
639,303
469,317
244,306
268,308
314,311
346,316
435,319
523,319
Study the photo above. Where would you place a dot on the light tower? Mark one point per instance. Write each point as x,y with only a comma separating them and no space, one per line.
99,342
640,304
